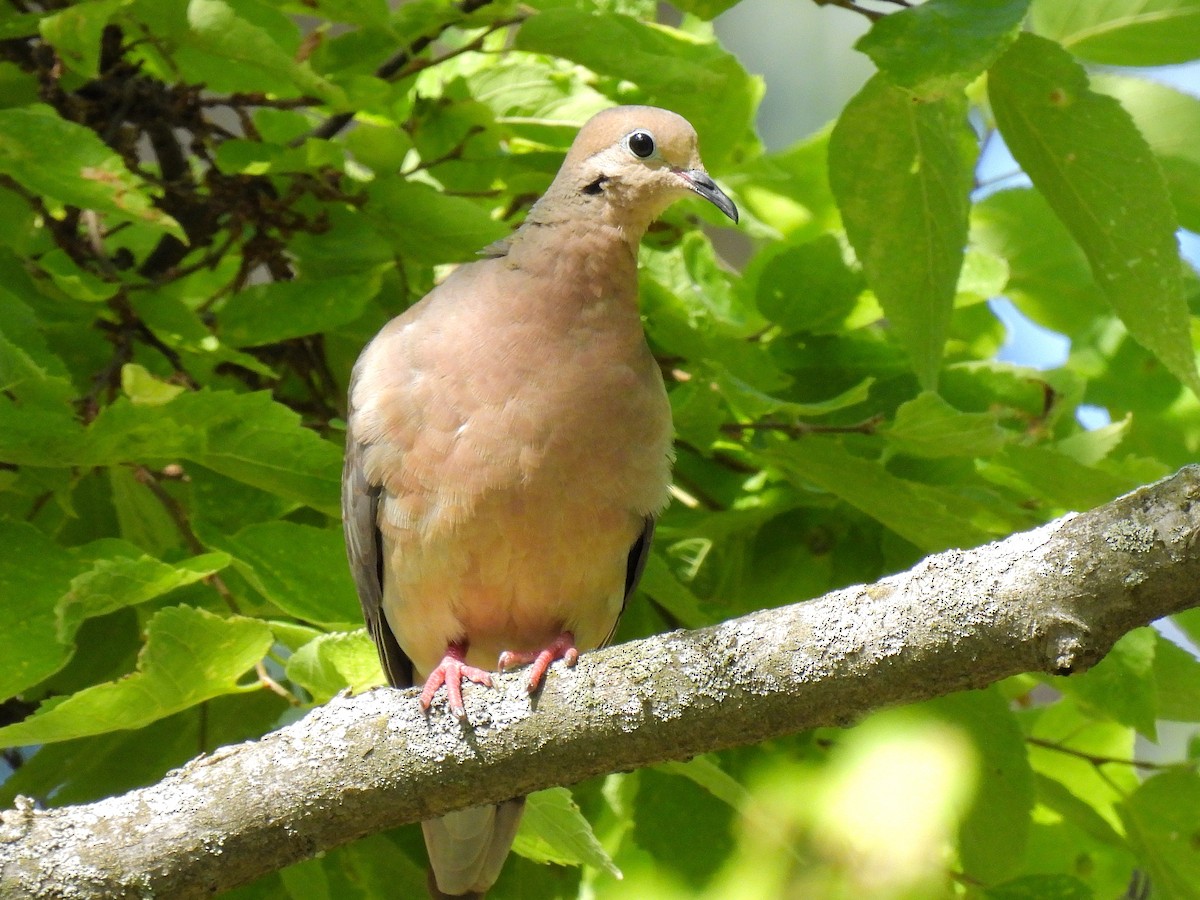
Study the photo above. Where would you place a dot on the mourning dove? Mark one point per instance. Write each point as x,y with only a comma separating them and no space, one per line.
509,444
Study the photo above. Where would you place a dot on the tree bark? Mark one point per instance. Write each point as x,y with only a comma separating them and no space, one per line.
1054,599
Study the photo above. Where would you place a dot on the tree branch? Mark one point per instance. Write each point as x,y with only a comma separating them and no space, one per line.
1054,599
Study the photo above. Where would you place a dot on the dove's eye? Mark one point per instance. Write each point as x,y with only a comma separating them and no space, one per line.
641,144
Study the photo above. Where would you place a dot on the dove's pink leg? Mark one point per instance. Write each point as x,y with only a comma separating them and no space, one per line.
562,647
451,671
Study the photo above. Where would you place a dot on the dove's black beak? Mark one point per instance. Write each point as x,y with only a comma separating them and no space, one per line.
700,182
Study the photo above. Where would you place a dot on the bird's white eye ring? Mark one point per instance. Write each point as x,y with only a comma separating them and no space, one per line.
641,144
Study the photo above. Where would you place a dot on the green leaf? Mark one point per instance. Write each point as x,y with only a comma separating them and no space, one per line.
699,286
333,662
1059,843
554,830
141,516
1121,686
1004,796
190,656
900,169
1054,477
929,426
238,156
451,228
75,33
29,642
380,865
698,412
693,312
23,377
694,77
300,569
809,287
248,437
1177,677
1066,737
268,313
356,12
216,28
707,772
942,45
37,435
1162,819
1169,120
789,191
915,512
984,276
74,281
109,764
19,25
1188,622
1085,155
1041,887
353,243
1049,277
660,583
125,580
749,403
143,389
1123,32
901,784
24,353
706,9
167,313
223,505
1091,447
1078,812
82,171
539,108
661,805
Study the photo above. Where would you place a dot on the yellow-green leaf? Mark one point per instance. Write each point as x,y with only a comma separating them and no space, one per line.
190,656
901,171
1083,152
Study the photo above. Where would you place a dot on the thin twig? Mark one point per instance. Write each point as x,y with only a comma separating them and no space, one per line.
1098,760
257,99
387,71
274,686
474,46
802,429
179,516
207,261
853,7
453,153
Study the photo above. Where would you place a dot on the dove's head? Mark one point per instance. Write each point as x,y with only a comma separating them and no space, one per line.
630,163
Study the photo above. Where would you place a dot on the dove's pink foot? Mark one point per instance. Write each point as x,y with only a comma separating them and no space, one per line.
562,647
451,672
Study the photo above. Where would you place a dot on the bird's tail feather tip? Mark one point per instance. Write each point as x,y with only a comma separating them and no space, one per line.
467,848
435,894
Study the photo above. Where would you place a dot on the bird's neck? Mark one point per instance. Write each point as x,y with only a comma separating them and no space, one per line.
606,250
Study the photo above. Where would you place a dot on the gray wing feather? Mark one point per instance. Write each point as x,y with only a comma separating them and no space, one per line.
364,548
